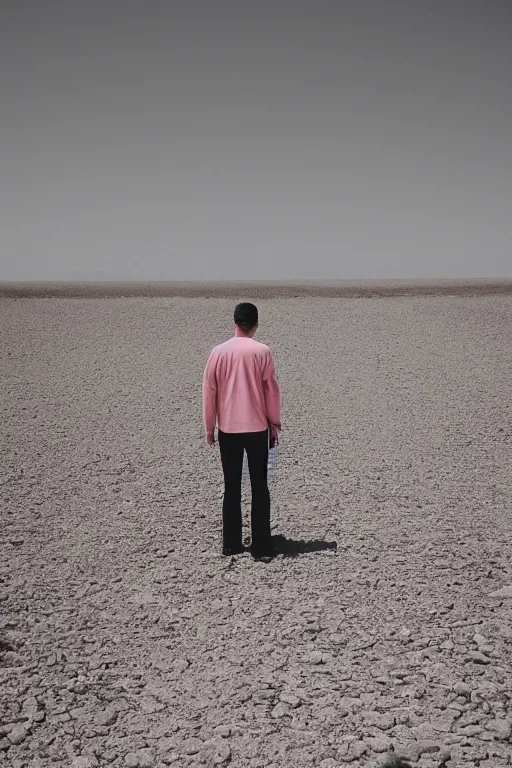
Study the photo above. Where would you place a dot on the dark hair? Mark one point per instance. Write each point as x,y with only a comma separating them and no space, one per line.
246,316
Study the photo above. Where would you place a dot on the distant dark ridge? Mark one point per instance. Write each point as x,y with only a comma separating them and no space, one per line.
256,289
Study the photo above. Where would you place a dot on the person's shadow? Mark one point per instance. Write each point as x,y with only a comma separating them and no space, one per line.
292,548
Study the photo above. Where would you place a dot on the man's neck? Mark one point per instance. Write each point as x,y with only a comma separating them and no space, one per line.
240,334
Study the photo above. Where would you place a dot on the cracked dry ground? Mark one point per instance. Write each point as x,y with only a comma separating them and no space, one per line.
128,640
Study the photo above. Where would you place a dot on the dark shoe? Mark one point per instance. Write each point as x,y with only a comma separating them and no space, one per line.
228,552
263,554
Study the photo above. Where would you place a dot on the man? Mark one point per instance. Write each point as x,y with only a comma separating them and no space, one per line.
241,393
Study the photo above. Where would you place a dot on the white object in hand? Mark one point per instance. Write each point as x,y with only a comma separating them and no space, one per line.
272,460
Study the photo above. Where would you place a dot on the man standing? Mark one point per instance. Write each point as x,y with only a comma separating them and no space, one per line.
241,393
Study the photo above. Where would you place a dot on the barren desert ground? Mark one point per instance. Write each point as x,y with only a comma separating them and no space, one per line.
126,639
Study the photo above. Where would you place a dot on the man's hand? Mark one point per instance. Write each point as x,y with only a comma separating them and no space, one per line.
210,438
274,434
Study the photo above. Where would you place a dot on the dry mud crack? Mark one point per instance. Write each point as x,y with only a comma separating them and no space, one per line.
127,640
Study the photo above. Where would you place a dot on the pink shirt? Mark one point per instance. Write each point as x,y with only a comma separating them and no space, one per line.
240,390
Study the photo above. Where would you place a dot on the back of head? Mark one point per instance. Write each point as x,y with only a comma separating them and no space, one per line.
246,316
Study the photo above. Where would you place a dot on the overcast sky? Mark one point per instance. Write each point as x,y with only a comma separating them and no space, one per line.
255,139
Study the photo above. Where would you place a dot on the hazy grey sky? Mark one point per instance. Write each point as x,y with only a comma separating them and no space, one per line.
255,139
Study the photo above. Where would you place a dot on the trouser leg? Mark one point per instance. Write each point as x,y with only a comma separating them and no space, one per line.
232,454
257,458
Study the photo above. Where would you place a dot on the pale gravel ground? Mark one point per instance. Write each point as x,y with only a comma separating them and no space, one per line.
134,641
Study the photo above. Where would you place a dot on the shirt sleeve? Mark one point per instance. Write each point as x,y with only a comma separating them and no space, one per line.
210,395
272,392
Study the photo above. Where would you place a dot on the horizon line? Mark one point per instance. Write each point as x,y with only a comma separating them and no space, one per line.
308,287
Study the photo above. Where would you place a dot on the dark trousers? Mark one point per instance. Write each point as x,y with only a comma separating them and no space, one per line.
232,447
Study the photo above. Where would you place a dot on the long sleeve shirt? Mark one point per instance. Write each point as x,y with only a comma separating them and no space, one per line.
240,388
